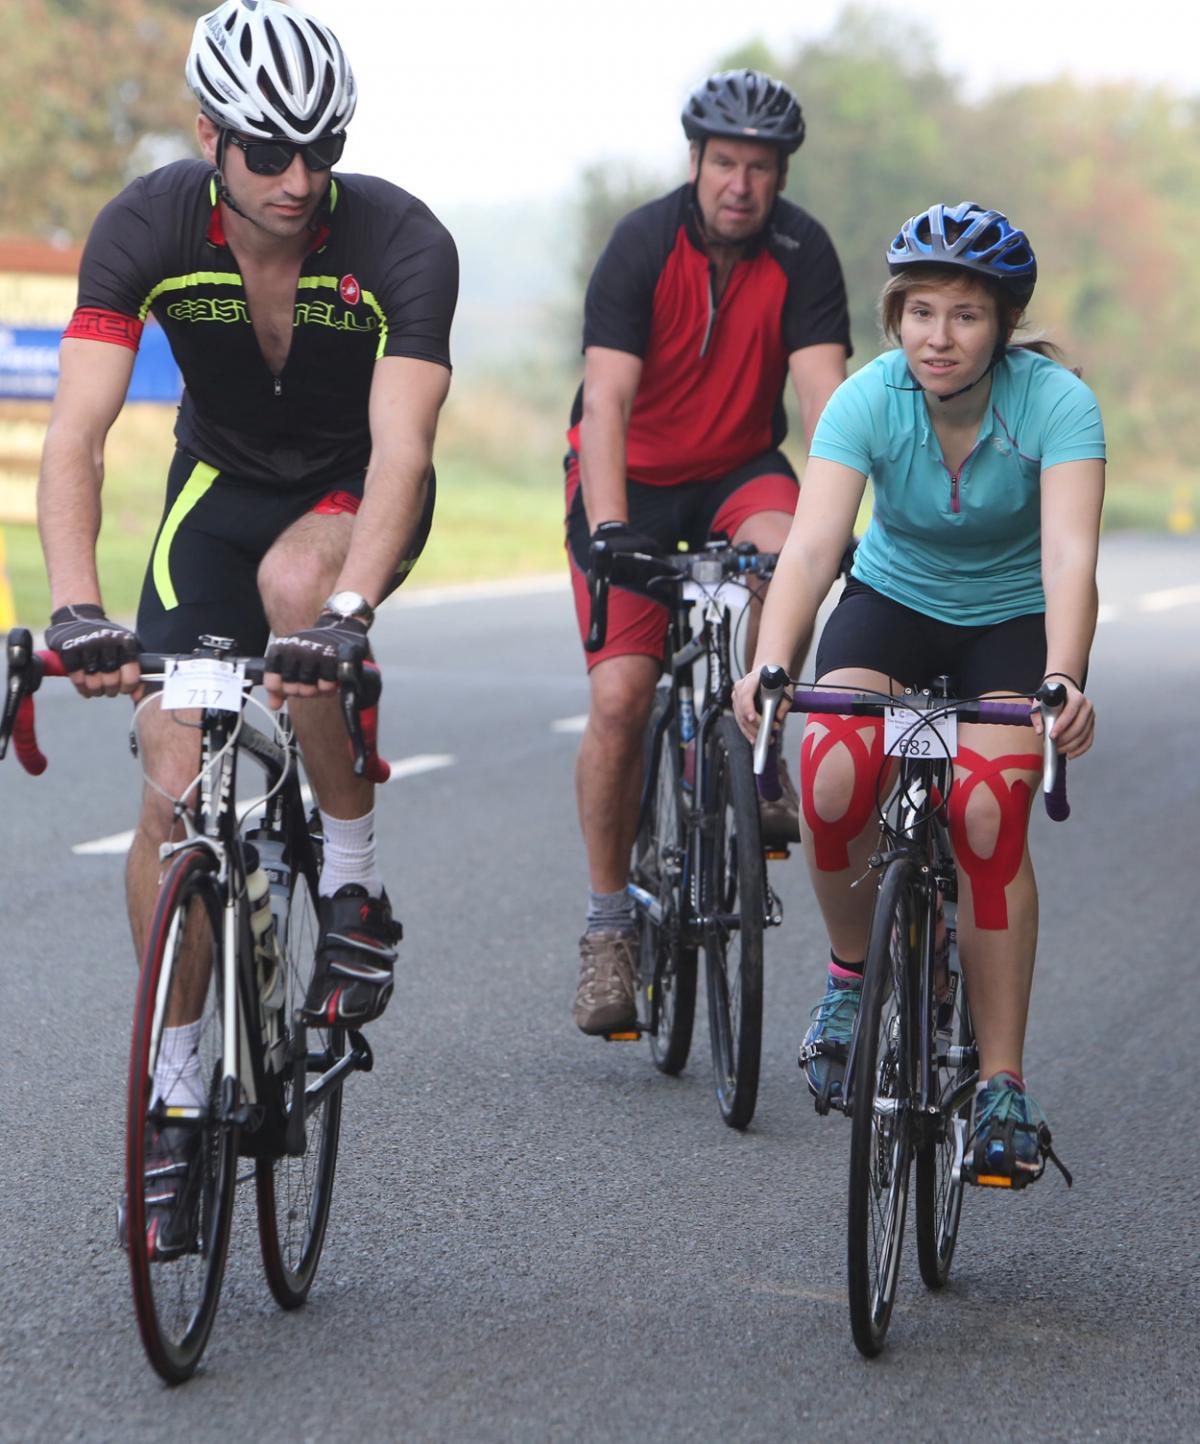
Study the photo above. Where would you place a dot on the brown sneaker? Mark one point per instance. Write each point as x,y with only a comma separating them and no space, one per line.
605,1000
781,818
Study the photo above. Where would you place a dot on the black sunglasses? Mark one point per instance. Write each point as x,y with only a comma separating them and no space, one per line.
272,157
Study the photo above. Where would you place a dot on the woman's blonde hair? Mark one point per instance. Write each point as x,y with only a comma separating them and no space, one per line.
1010,312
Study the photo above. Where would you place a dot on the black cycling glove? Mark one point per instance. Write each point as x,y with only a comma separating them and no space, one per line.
620,539
315,651
88,642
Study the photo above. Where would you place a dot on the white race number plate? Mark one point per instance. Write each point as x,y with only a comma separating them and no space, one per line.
915,734
203,682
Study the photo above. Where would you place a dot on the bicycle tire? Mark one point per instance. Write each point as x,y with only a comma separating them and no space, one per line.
881,1097
294,1193
667,967
176,1299
733,940
939,1199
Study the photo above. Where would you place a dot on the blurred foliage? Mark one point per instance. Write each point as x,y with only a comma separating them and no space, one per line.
1105,178
87,102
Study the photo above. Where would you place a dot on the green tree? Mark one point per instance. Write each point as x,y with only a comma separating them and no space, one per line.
91,93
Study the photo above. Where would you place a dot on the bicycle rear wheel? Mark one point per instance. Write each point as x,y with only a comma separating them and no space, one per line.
294,1192
881,1102
177,1276
666,966
939,1199
733,939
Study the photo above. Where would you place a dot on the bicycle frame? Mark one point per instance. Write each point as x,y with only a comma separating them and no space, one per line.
711,642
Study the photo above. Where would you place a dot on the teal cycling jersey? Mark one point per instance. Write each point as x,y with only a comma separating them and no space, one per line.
964,546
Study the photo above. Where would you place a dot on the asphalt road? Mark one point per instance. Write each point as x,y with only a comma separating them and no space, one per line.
535,1236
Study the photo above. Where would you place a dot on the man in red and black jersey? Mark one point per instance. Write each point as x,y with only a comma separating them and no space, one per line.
698,311
310,316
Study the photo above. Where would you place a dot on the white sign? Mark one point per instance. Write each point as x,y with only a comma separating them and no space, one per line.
918,734
203,682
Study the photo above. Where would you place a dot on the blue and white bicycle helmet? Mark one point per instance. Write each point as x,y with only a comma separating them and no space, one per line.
970,236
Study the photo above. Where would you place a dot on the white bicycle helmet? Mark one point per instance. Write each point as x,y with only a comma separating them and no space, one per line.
265,69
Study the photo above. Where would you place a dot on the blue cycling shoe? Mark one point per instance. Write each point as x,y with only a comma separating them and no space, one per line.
1008,1134
827,1043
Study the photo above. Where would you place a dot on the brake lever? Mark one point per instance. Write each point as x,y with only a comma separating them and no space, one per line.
349,685
772,682
1051,699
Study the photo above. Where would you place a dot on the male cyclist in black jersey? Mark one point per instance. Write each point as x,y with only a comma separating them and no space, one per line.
310,315
701,306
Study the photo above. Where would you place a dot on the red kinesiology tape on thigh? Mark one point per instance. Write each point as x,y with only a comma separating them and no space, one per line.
862,737
990,876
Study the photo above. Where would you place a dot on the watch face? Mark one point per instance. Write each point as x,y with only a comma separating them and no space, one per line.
350,604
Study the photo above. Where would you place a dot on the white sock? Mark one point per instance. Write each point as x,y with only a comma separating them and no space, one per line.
178,1081
350,854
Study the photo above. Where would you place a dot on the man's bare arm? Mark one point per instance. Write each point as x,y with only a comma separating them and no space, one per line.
817,372
610,383
406,397
93,379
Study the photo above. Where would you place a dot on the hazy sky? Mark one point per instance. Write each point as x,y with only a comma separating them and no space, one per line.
464,100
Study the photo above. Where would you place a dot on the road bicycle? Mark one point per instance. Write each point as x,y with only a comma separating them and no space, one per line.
912,1065
698,874
229,955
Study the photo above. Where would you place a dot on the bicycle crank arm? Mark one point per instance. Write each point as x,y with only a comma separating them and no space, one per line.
648,904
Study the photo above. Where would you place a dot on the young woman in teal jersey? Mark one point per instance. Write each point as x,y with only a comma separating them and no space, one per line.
987,467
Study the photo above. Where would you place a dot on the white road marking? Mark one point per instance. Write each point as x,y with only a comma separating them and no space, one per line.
117,843
1165,601
569,724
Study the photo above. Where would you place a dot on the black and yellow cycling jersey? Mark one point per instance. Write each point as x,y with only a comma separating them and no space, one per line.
380,279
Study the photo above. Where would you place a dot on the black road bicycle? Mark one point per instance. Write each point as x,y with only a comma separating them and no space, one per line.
912,1064
264,1086
698,873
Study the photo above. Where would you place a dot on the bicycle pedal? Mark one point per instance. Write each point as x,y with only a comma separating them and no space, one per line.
625,1035
992,1180
777,854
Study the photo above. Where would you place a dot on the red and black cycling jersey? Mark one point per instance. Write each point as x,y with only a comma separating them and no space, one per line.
713,370
380,279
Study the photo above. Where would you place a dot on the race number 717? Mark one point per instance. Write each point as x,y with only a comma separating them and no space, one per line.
203,682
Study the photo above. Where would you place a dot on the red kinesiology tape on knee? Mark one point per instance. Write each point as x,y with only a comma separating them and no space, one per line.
862,737
990,876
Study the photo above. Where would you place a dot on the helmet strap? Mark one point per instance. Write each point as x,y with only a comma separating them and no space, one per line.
223,194
997,356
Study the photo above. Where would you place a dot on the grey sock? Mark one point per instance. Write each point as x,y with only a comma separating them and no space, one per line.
610,912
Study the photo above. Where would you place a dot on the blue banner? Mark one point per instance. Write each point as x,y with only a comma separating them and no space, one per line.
29,365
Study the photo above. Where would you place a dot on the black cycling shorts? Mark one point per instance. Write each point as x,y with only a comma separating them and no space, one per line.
215,530
867,629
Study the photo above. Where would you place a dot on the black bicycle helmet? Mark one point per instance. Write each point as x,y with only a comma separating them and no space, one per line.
744,105
970,236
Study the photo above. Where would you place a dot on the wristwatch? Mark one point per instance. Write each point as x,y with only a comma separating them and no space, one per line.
350,604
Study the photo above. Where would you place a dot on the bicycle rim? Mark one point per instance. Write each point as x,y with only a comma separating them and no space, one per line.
667,968
939,1199
733,942
181,981
881,1101
294,1193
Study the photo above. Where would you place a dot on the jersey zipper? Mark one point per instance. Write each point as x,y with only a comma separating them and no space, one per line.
956,478
278,380
712,309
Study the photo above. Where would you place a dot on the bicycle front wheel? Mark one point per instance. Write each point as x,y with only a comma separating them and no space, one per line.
881,1102
939,1197
294,1192
666,966
177,1144
733,938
